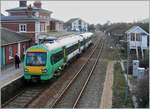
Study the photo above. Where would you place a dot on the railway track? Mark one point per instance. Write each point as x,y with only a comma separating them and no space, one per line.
72,93
86,82
78,102
25,97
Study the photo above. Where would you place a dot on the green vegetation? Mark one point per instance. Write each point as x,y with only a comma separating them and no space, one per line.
121,28
142,91
123,53
119,86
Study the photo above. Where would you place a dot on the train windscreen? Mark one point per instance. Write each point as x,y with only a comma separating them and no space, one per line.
36,59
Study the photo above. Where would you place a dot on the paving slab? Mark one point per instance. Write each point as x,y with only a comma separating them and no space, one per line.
10,74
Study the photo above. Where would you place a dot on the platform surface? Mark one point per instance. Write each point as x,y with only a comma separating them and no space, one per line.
10,74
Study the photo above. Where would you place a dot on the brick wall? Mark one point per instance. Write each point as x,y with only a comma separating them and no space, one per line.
52,25
31,26
10,25
15,26
27,44
14,49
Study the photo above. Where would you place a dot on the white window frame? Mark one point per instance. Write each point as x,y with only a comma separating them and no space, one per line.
22,30
10,53
42,27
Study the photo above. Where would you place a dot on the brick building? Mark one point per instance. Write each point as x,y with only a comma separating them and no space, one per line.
12,42
56,25
28,20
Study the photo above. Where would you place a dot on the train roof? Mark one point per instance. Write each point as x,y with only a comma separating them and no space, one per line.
70,40
61,42
52,46
86,35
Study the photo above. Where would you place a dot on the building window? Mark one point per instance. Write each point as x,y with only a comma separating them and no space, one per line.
37,14
132,37
79,22
10,52
22,27
138,37
42,27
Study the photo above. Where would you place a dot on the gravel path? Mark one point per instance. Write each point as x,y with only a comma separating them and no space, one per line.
106,100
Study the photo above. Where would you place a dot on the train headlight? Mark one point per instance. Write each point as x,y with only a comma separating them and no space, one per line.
26,70
44,70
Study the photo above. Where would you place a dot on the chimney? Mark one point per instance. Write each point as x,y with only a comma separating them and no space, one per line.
23,3
37,4
29,11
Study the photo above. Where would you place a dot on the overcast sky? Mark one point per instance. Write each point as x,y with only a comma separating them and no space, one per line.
91,11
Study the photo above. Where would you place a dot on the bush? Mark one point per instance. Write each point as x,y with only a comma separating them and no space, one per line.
142,91
145,62
119,87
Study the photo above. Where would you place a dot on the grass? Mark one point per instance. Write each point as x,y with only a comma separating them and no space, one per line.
119,86
123,54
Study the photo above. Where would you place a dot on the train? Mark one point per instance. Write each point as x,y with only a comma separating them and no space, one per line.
44,60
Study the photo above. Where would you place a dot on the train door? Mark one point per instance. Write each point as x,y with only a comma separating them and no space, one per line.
79,46
65,54
57,59
84,41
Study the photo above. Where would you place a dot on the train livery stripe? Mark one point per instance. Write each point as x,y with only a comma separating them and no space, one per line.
35,69
37,50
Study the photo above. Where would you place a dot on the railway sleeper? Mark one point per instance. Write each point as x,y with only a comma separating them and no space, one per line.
22,100
30,94
16,104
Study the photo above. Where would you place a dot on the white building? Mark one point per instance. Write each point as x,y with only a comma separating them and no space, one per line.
137,39
76,24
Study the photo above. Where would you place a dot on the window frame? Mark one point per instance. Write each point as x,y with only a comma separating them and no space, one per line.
132,37
72,48
27,64
56,57
138,37
24,27
42,27
10,53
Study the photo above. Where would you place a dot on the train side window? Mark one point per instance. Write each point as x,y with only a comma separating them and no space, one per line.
51,60
72,48
82,43
57,57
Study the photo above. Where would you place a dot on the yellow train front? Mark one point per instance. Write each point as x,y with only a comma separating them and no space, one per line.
41,62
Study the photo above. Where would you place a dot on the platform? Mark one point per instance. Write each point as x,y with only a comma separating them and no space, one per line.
10,74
